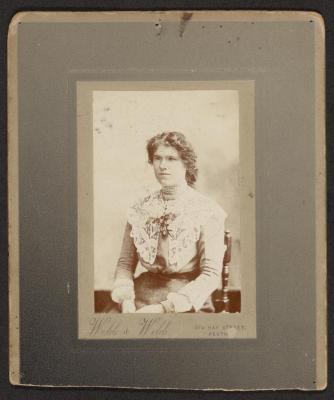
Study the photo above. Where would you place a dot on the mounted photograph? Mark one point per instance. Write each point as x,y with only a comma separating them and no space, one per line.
167,200
162,189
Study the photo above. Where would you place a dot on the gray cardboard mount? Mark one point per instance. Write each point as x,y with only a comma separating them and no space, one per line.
283,54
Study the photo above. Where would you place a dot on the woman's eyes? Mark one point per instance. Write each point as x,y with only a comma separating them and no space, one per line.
157,158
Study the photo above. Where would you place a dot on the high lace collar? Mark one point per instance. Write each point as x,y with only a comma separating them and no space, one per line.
174,192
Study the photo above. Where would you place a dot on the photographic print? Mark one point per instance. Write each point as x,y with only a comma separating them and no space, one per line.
166,186
173,231
167,222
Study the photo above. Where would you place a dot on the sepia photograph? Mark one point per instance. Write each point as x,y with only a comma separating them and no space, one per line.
166,204
166,170
167,214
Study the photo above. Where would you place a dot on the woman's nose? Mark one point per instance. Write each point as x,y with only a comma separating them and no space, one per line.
162,164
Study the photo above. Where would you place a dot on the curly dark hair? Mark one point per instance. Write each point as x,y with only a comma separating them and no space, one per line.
178,141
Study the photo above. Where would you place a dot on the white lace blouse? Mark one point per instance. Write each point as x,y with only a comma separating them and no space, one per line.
179,235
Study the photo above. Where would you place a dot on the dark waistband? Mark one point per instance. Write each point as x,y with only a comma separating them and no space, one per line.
174,275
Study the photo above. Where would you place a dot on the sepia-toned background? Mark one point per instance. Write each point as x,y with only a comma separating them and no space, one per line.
123,121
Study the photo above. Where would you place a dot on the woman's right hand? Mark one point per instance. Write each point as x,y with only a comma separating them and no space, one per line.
128,306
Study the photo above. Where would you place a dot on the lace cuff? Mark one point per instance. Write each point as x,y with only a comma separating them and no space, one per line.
180,302
168,306
123,290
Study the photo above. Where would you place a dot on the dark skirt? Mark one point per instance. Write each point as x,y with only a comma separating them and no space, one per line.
152,288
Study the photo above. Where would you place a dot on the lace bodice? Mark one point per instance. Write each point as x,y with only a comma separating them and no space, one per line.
179,220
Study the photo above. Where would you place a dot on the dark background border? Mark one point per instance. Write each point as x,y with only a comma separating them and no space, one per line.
326,8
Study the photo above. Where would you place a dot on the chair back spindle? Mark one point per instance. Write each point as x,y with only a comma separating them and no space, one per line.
221,298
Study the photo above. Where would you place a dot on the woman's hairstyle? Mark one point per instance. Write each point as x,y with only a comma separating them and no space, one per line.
179,142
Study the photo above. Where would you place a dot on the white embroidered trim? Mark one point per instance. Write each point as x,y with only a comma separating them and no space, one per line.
190,211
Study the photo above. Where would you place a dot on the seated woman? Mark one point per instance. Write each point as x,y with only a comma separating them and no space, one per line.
176,233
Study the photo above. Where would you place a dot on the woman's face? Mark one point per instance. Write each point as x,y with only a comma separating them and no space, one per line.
168,166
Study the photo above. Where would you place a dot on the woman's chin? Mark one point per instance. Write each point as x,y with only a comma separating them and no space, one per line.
166,182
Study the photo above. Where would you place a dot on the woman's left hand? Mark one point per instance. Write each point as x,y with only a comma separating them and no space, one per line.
153,308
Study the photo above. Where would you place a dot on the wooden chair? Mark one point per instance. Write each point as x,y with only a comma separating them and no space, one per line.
221,298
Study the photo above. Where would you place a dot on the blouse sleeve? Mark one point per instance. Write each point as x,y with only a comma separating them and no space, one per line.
123,288
211,251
